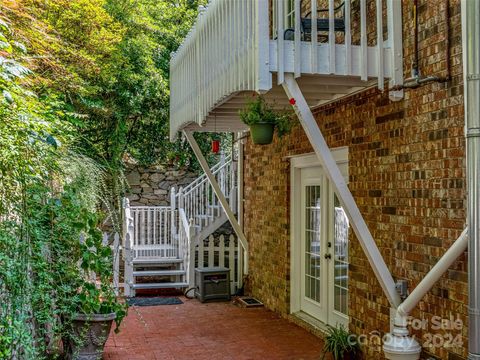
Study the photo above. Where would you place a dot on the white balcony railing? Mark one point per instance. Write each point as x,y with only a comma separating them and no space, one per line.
236,46
225,52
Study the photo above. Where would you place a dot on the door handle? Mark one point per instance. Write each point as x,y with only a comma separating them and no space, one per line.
328,256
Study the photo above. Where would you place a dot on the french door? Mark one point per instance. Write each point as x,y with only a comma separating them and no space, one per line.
323,250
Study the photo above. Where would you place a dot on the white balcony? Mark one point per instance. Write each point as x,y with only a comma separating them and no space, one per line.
234,50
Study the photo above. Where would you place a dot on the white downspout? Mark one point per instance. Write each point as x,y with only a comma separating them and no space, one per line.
471,40
399,344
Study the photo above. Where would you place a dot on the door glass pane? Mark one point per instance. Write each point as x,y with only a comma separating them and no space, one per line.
341,230
312,242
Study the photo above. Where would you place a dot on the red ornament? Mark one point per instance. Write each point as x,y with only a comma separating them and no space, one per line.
292,101
215,146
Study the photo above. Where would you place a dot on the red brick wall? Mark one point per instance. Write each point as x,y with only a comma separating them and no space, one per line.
406,169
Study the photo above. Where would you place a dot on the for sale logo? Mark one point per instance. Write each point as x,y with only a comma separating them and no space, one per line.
437,332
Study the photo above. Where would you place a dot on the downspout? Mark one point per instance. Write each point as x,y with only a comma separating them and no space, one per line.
417,80
471,34
399,345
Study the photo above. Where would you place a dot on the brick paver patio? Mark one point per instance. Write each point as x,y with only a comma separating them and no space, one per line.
212,331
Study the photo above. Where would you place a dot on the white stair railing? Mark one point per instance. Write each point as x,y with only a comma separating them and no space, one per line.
199,200
172,232
153,232
186,236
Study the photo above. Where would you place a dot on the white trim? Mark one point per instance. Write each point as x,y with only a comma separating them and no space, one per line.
299,162
340,155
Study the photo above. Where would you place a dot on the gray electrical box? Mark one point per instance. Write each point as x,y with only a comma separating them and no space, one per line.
212,283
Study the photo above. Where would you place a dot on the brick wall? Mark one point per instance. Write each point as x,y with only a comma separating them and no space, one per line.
406,169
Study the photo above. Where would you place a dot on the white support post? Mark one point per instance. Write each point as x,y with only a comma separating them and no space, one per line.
181,203
394,13
221,197
126,216
173,207
116,262
129,291
262,39
191,255
346,199
297,63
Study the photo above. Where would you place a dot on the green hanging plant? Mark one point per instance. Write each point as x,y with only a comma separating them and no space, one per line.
263,119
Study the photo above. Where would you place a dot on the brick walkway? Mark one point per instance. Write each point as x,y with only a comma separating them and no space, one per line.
212,331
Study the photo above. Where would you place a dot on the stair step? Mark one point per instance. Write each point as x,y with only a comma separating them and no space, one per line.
158,272
153,262
166,285
203,216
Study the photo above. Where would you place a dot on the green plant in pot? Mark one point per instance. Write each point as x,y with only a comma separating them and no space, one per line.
341,344
263,119
95,305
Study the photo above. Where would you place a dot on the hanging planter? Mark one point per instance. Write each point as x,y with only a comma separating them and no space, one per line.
262,120
262,133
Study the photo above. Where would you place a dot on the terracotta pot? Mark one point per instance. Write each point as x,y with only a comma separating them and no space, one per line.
90,333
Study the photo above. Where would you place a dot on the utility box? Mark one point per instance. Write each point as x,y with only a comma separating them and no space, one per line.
212,283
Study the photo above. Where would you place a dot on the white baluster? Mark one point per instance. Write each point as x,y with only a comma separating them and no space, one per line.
363,40
380,65
201,254
211,251
348,39
221,251
231,261
240,254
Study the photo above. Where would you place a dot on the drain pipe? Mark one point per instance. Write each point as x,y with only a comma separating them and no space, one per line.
399,345
471,34
417,80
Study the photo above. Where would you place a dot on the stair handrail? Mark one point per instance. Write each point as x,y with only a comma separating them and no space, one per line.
224,159
187,191
186,239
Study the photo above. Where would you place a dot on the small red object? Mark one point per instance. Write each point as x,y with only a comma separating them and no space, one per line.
215,146
292,101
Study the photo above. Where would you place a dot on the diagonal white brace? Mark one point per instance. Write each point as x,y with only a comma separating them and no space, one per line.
346,198
221,197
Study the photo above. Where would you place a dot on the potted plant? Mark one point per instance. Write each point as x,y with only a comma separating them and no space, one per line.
95,305
263,119
341,344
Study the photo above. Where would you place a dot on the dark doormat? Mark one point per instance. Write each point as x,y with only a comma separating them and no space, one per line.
153,301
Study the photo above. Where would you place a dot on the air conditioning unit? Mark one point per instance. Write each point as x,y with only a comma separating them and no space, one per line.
212,283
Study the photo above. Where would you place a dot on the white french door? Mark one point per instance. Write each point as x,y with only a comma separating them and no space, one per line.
323,250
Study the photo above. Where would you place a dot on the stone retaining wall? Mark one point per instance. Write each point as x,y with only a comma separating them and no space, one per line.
151,186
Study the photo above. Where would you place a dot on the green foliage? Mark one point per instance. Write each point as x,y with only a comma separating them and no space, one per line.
258,111
50,198
339,342
83,84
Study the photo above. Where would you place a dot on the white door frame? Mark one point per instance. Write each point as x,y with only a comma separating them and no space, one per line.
340,156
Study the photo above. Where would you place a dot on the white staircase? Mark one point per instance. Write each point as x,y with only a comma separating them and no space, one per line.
160,241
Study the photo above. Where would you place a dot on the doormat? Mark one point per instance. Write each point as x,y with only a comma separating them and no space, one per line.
247,301
153,301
